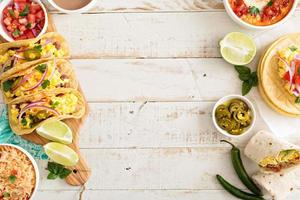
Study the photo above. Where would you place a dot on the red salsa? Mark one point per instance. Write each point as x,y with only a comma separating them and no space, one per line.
272,12
23,19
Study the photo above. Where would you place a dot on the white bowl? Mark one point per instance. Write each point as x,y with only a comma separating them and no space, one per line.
226,99
80,10
36,169
3,31
244,24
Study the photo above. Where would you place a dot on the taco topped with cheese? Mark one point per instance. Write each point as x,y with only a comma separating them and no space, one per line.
18,55
37,78
26,114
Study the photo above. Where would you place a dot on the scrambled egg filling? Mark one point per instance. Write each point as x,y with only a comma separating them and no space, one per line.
65,105
284,159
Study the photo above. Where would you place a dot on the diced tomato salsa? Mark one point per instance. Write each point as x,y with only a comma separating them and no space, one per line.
271,13
23,19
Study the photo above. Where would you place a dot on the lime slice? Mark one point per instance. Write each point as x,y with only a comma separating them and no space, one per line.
61,154
238,48
56,131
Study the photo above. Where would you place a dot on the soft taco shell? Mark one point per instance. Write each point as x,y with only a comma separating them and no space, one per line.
271,85
35,97
63,66
56,37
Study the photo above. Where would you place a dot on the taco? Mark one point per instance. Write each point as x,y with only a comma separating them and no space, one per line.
279,75
31,111
37,78
18,55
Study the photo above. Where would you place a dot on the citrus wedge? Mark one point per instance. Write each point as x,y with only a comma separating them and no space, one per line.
61,154
56,131
237,48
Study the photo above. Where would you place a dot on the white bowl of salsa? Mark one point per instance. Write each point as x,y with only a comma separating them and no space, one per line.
22,19
74,6
19,173
260,14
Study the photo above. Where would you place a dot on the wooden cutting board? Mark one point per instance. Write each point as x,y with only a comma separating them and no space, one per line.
80,172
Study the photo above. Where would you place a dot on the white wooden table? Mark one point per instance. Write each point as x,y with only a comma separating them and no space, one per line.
151,72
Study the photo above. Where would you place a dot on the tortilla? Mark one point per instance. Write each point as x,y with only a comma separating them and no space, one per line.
55,37
80,109
271,85
63,66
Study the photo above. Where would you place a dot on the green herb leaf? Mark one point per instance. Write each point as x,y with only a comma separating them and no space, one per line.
254,10
242,69
297,100
52,176
244,77
293,48
7,85
54,104
65,172
45,84
270,3
16,32
246,87
24,122
28,26
254,79
6,194
38,47
41,68
11,13
12,178
25,11
55,168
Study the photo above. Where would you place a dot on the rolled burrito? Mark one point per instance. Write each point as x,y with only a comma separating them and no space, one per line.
278,161
271,153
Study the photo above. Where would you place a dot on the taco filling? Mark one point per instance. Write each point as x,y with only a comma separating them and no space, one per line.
29,114
285,159
40,77
289,70
44,48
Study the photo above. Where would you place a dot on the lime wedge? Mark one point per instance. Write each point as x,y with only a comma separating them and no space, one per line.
56,131
61,154
237,48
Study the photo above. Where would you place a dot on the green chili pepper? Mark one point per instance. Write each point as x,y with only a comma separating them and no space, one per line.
240,170
237,192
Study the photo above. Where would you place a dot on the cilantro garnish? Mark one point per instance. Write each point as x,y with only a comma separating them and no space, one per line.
24,122
254,10
41,68
25,11
6,194
38,47
7,85
12,178
45,84
270,3
293,48
16,32
297,100
11,13
54,104
57,170
28,26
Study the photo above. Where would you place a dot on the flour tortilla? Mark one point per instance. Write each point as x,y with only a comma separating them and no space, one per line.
35,97
279,184
55,37
271,84
63,66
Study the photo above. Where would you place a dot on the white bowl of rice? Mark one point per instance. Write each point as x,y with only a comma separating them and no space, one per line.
19,174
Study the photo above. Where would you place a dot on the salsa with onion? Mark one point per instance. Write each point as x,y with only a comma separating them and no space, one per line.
23,19
261,12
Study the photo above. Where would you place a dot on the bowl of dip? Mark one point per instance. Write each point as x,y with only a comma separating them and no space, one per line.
74,6
19,173
260,14
234,116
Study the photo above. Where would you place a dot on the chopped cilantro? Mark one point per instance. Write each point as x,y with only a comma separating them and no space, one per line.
7,85
11,13
6,194
38,48
293,48
25,11
12,178
57,170
41,68
254,10
270,3
45,84
56,103
24,122
297,100
16,32
28,26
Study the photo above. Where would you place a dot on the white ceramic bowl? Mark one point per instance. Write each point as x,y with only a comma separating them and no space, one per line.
3,31
36,169
226,99
80,10
244,24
